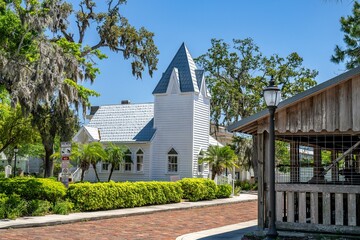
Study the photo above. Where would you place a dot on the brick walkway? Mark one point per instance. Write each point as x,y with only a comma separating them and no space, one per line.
160,225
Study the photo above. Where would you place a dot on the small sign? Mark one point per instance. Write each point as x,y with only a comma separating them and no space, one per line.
65,149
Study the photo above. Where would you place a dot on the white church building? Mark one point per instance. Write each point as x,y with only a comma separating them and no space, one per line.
164,138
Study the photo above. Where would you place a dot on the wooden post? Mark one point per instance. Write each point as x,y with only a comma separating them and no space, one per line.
352,209
261,206
314,206
339,209
294,162
290,207
326,208
302,207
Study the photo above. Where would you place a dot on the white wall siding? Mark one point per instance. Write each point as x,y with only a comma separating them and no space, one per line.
173,120
201,129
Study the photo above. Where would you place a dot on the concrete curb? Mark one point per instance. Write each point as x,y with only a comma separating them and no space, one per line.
225,232
55,219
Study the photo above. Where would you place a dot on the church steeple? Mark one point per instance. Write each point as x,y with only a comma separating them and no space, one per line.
189,77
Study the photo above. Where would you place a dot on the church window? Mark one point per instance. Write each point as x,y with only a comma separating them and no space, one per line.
172,161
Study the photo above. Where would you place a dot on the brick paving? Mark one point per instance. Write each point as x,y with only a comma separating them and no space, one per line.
159,225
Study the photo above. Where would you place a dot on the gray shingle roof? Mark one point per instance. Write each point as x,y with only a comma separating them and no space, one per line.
199,76
124,122
186,67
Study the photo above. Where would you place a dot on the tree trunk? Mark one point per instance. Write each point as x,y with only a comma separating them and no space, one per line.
82,175
96,173
111,171
213,174
49,162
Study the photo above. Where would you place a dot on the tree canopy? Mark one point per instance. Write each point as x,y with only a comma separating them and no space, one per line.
350,25
43,62
238,73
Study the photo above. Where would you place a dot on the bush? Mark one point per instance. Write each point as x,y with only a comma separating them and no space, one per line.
3,200
223,191
38,207
196,189
246,185
30,188
111,195
63,207
14,207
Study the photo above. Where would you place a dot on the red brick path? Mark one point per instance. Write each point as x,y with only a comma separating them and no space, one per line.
160,225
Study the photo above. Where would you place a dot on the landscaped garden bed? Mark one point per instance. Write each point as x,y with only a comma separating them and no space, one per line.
27,196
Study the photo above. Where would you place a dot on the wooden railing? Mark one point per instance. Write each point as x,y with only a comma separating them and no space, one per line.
325,208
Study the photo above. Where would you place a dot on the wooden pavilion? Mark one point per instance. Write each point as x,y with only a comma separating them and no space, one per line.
319,188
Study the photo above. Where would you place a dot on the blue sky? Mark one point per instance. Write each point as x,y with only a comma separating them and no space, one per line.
309,27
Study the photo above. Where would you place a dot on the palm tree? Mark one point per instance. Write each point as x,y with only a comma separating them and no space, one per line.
115,156
89,154
219,158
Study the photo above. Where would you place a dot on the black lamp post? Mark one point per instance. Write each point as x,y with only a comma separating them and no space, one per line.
272,97
15,152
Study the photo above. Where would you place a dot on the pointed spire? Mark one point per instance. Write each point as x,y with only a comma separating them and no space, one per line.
186,68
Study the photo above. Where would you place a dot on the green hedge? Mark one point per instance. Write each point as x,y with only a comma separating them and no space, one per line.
33,188
111,195
223,191
196,189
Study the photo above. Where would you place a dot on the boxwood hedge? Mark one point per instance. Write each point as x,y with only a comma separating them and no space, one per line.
33,188
196,189
114,195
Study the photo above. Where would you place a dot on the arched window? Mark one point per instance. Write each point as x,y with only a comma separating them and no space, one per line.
172,161
127,161
139,160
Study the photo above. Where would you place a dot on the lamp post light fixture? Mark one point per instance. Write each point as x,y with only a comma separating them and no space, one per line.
272,97
15,152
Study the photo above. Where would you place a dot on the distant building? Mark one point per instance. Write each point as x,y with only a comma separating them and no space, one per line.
164,138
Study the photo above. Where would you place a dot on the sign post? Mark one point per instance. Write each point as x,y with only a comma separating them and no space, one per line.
65,159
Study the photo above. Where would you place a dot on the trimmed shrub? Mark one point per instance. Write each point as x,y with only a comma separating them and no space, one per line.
223,191
196,189
15,207
38,207
3,200
63,207
111,195
30,188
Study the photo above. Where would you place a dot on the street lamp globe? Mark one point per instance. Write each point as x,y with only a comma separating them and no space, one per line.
272,94
16,149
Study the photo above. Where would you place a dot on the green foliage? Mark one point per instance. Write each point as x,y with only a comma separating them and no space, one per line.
63,207
38,207
33,188
196,189
223,191
350,26
111,195
237,74
219,159
15,206
246,185
88,154
115,156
